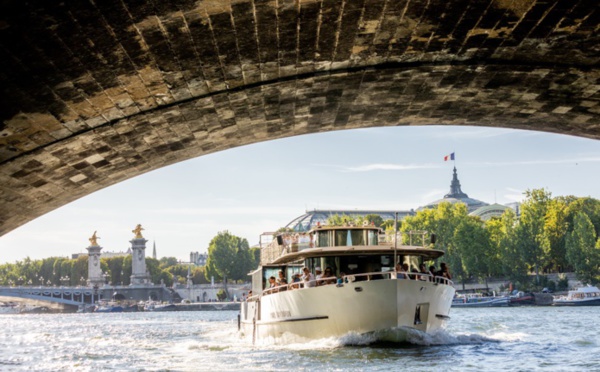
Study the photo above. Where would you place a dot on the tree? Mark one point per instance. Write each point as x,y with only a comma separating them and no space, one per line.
375,219
168,262
228,257
472,244
530,230
555,229
583,251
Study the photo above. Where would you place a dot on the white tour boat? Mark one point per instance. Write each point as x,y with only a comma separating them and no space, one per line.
364,295
584,296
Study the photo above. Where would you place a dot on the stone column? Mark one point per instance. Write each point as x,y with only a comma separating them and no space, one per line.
95,277
139,275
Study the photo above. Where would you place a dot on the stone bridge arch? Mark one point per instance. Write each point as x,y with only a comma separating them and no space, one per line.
93,93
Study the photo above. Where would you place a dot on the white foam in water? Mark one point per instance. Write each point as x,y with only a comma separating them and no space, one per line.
412,336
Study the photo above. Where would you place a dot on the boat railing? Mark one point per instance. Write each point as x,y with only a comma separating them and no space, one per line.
358,278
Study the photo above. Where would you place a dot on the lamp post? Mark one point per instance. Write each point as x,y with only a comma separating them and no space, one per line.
82,281
41,278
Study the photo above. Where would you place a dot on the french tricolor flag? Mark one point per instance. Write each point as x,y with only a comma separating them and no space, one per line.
449,157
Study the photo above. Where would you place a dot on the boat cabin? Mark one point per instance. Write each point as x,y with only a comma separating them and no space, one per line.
353,253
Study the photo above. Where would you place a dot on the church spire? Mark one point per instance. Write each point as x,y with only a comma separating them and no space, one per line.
455,191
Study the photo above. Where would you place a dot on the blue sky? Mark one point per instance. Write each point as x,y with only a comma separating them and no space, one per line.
261,187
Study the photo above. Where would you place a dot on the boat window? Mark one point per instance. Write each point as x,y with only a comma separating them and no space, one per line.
357,237
373,237
341,238
322,239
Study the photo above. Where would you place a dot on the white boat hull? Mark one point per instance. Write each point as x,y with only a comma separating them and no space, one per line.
486,302
382,307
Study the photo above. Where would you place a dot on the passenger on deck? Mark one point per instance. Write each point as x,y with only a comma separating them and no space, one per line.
318,274
281,280
432,272
423,270
327,277
444,271
296,281
401,271
308,278
272,283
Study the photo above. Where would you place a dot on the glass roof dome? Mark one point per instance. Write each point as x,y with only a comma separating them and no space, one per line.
310,219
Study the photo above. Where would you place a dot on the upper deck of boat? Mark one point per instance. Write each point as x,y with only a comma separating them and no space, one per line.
324,241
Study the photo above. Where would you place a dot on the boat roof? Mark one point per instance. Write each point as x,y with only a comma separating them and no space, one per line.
349,227
587,289
429,254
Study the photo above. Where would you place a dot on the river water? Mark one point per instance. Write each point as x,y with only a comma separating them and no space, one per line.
494,339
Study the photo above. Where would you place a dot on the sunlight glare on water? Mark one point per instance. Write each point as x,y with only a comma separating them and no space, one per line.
497,339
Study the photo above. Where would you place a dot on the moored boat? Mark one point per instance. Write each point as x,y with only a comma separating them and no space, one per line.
521,299
478,300
361,291
9,308
108,307
583,296
157,306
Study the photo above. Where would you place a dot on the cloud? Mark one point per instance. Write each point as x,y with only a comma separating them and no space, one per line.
573,161
385,167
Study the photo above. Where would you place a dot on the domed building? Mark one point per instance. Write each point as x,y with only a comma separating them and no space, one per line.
456,195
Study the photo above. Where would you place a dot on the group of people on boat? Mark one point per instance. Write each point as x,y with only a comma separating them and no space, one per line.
404,272
306,279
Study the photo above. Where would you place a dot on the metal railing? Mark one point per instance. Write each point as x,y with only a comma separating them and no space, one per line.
400,275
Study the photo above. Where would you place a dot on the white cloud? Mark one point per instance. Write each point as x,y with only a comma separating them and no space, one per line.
573,161
385,167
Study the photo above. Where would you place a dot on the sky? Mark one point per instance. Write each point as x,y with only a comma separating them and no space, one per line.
261,187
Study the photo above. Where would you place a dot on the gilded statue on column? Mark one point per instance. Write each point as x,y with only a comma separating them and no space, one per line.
138,231
94,240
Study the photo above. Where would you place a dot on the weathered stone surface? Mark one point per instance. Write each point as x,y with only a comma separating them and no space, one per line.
92,93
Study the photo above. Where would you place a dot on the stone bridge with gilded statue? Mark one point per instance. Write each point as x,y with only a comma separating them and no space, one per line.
96,92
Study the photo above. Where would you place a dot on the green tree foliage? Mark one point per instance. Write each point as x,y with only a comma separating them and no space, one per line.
228,257
555,230
199,275
375,219
168,262
472,243
530,231
583,250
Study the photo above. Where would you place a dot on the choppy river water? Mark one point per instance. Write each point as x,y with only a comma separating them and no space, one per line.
495,339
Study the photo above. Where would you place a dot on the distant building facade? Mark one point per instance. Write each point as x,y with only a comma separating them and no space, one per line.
198,259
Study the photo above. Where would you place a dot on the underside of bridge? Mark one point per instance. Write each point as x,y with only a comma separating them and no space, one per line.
96,92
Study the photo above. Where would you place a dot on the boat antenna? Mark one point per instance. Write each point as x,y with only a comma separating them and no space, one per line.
395,237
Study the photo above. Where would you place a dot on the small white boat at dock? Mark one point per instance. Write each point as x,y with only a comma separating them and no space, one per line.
583,296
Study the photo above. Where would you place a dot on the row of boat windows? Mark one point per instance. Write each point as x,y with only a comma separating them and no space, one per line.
346,238
344,265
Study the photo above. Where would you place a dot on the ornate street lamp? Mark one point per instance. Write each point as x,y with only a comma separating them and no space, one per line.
41,280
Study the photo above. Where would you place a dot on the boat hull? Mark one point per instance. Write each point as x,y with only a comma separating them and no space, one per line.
385,308
494,302
585,302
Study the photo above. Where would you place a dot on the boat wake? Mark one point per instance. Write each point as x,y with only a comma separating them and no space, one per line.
410,337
